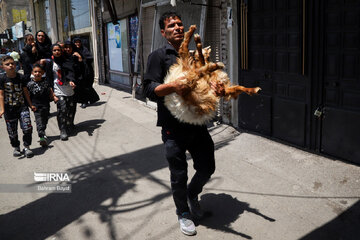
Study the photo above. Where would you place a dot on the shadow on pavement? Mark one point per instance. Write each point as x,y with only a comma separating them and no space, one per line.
99,103
346,226
91,184
94,183
88,126
222,209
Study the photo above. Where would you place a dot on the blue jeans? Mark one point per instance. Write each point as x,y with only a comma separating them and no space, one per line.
201,147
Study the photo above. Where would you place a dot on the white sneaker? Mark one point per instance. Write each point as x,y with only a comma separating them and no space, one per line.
187,226
17,152
28,153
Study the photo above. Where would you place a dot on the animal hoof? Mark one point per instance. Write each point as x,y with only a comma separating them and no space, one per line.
192,28
257,89
196,37
220,65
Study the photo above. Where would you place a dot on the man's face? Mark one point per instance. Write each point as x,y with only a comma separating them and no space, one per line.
9,66
40,37
174,30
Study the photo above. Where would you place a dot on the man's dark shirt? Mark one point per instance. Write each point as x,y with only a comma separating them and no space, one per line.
158,65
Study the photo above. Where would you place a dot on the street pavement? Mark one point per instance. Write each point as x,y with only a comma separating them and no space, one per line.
120,184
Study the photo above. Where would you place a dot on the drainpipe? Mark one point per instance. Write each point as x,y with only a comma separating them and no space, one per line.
136,67
94,40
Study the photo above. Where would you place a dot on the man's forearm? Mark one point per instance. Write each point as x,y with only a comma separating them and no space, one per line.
164,89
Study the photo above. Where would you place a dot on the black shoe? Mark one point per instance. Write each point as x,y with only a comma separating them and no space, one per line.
63,135
43,141
71,129
84,105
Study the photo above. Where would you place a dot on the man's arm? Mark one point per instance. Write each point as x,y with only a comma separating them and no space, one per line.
168,88
153,82
2,103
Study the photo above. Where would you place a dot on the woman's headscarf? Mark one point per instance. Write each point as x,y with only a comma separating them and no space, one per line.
84,52
43,49
58,60
69,43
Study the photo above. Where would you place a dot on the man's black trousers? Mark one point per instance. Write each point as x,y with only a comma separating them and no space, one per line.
198,142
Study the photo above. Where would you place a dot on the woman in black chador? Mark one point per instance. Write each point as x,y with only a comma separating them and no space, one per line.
88,94
43,46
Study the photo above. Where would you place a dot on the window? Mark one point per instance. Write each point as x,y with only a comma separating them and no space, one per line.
80,14
118,46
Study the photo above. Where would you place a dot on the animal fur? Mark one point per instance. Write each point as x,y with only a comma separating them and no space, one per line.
199,105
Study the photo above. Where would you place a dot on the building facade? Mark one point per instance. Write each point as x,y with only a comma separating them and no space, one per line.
14,16
303,54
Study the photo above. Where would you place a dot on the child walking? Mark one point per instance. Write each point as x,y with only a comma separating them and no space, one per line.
40,94
60,73
12,92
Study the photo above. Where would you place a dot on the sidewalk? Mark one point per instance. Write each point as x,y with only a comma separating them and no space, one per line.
121,190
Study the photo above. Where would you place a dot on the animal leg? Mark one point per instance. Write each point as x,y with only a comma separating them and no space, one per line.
208,68
200,59
235,91
184,47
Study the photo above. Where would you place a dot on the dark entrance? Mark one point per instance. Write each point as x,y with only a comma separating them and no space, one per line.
298,77
340,135
275,55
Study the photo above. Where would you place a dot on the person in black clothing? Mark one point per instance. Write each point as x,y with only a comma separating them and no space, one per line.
27,57
60,73
89,94
78,65
12,105
41,94
43,46
179,137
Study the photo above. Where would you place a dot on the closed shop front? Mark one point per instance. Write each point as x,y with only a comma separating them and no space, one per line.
305,56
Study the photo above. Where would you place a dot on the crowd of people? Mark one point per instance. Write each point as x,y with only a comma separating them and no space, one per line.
60,72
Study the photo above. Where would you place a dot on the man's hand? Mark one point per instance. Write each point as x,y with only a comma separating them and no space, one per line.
72,84
181,88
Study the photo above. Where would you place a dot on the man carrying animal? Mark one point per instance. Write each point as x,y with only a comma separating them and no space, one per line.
178,136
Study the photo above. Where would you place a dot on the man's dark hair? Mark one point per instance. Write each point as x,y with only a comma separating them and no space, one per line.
5,58
165,16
